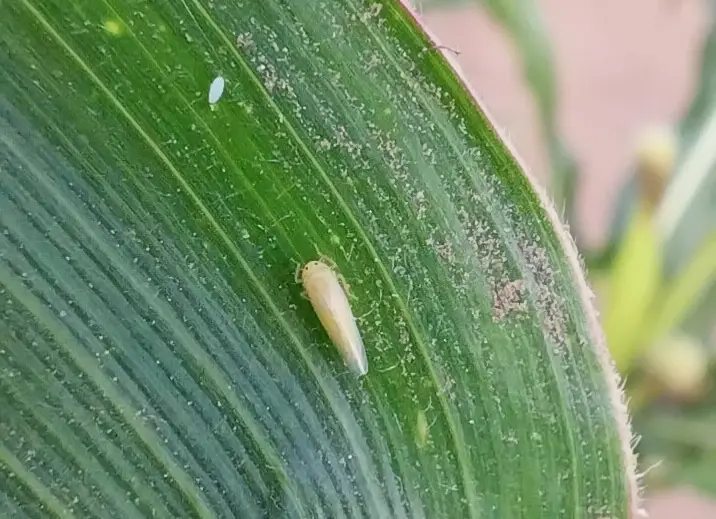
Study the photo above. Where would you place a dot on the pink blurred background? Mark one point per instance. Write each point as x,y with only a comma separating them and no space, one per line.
621,66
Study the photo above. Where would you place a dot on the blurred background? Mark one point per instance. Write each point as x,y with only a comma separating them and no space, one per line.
612,105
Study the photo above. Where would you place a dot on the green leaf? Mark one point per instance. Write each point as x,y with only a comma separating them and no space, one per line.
682,441
690,234
634,280
686,213
157,359
686,292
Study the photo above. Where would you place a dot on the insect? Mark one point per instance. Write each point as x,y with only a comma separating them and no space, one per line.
327,292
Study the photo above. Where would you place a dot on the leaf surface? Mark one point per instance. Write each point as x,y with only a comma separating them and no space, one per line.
157,358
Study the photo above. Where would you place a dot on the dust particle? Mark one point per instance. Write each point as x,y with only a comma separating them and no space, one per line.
445,251
245,41
508,298
371,12
551,304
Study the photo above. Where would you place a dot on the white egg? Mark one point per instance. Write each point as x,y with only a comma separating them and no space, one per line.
216,89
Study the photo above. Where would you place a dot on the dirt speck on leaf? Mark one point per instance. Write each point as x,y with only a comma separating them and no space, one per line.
550,303
508,299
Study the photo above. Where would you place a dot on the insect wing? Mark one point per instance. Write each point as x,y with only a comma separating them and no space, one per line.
335,313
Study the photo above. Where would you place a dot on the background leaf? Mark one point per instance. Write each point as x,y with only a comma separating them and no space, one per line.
634,282
685,214
684,219
157,358
674,422
693,215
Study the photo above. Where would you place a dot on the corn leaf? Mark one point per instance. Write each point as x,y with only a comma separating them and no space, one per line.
156,356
